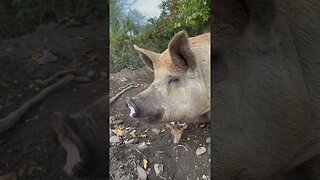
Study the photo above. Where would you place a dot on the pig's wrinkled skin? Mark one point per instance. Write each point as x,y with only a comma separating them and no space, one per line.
181,87
266,90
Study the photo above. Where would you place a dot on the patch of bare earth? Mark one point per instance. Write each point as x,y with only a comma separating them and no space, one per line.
28,149
138,150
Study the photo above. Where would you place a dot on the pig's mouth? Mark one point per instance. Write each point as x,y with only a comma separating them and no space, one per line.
152,116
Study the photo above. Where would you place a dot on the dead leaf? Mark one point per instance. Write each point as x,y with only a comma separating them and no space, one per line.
93,56
118,132
146,130
133,135
36,54
145,163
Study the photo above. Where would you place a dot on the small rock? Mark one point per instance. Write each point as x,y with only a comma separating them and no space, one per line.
142,146
31,86
148,143
208,140
141,173
188,138
202,125
132,141
103,74
158,168
117,122
91,73
47,57
156,131
114,140
201,150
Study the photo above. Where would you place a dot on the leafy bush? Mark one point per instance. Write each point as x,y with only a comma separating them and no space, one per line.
176,15
21,16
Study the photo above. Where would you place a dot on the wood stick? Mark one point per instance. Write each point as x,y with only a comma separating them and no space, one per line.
16,115
119,94
56,75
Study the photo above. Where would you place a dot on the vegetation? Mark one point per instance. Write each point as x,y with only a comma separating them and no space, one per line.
20,16
128,27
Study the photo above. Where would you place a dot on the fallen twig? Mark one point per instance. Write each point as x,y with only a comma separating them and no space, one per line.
56,75
111,175
15,116
180,146
141,153
120,93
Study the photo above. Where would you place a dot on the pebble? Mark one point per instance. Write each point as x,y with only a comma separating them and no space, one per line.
142,146
91,73
132,141
117,122
114,140
156,131
202,125
47,57
141,173
208,140
158,168
103,74
200,150
188,138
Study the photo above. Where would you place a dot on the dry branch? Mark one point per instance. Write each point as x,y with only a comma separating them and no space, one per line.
56,75
119,94
15,116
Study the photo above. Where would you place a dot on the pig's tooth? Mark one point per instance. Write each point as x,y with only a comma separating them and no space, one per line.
132,111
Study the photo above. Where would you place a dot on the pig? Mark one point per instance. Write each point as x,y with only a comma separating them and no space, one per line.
180,91
265,89
82,141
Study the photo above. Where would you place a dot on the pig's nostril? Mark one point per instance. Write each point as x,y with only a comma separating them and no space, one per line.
132,108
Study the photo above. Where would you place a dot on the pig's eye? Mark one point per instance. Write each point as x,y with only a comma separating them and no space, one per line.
173,79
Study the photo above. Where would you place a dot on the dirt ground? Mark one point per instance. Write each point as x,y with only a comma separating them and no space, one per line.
28,149
178,161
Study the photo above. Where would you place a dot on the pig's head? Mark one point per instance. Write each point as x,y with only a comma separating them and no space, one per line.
180,90
81,146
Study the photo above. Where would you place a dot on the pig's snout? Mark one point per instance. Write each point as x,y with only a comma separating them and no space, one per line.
133,109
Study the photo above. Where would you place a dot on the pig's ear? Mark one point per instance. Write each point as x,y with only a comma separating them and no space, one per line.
148,57
180,51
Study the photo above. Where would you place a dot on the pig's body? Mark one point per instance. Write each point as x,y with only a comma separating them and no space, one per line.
266,89
181,88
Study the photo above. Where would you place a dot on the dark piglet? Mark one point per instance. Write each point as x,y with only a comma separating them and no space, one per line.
82,142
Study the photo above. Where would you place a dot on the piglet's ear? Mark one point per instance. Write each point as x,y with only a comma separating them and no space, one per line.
181,53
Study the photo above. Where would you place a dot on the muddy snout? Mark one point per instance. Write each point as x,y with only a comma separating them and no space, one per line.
143,110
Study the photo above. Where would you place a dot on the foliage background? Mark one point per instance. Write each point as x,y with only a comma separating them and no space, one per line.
128,27
18,17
